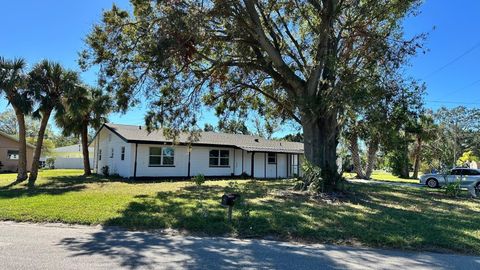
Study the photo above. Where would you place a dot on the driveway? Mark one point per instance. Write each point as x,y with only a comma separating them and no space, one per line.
57,246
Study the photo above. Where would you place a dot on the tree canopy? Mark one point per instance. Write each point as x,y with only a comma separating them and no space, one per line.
300,60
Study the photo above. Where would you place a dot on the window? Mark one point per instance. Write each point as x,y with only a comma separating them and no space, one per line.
100,154
272,158
122,153
12,154
219,158
456,172
161,156
472,172
111,155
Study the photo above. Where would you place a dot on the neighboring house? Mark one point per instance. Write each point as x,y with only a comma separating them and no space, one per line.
69,157
9,150
474,165
131,152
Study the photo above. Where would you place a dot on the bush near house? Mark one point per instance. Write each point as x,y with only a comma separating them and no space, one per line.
370,215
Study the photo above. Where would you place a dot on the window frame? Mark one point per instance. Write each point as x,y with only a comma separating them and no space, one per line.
99,154
122,153
274,156
9,155
162,156
112,153
219,158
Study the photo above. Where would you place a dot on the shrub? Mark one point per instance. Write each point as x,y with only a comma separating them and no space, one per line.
50,163
312,178
198,179
453,189
105,170
1,165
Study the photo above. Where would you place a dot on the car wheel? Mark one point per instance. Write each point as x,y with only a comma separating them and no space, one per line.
432,183
477,187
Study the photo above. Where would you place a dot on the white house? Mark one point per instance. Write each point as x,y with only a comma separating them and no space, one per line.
133,152
69,157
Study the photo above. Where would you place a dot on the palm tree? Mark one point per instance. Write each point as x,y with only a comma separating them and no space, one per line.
13,82
48,82
425,131
83,108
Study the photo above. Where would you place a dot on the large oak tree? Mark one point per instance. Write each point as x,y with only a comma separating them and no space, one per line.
296,60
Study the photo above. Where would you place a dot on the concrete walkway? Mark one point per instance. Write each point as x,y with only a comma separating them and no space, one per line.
57,246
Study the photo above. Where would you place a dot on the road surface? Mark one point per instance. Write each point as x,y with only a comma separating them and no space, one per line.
57,246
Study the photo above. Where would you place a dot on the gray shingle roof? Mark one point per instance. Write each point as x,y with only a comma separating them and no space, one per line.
246,142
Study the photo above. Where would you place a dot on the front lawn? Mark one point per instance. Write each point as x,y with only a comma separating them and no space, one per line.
371,215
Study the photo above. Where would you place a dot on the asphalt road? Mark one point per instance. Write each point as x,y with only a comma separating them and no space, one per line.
57,246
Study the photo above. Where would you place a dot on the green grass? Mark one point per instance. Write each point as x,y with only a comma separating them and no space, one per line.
384,176
371,215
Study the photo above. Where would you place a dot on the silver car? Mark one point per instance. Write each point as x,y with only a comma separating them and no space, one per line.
469,178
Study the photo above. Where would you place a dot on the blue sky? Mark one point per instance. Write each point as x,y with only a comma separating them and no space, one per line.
55,30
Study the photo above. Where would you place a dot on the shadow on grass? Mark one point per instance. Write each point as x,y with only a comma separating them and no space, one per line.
382,216
55,185
379,217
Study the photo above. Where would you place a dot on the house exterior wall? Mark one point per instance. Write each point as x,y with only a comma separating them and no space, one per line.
258,170
240,160
70,163
12,165
200,162
243,162
474,165
107,141
180,168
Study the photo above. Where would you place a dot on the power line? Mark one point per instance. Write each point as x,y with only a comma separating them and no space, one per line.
452,61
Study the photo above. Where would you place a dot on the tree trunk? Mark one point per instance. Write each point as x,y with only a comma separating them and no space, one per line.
371,157
405,170
357,162
38,148
320,146
418,158
86,160
22,149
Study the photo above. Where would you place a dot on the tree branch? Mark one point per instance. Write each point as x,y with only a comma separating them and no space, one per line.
296,82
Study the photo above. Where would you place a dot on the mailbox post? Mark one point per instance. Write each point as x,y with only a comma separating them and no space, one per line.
228,200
